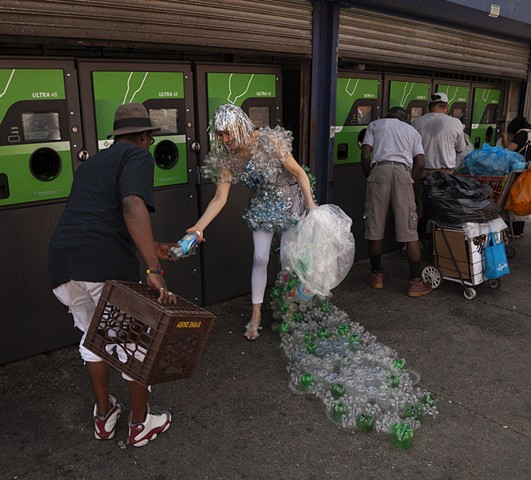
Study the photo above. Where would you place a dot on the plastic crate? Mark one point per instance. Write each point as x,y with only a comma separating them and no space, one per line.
150,342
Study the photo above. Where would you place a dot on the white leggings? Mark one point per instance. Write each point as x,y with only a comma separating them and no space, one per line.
262,245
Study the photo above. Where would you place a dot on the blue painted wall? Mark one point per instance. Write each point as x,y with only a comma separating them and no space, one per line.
514,9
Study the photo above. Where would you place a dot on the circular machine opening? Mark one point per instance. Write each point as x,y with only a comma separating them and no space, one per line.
166,154
489,134
45,164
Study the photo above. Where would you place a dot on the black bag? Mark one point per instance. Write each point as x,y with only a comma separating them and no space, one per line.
456,199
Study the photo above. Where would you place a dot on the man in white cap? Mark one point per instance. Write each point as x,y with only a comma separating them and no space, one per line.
106,217
442,139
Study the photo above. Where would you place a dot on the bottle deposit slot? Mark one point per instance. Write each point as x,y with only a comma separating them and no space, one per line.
166,154
45,164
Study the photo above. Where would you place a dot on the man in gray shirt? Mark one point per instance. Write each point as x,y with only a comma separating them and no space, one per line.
397,159
442,135
442,139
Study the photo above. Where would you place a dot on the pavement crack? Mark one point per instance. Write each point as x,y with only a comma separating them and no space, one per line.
485,417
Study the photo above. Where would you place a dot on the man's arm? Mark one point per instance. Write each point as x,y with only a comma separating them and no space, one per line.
138,224
418,166
366,159
460,143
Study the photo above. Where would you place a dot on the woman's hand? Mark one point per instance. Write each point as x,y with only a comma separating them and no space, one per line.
197,232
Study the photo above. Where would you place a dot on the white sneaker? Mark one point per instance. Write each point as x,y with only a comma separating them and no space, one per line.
105,427
157,421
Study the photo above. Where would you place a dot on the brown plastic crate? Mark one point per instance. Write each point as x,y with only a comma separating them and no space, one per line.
150,342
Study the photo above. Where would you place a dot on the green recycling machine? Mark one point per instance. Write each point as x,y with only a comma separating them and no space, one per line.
166,90
40,138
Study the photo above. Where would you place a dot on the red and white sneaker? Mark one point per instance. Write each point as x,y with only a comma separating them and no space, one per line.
156,422
105,427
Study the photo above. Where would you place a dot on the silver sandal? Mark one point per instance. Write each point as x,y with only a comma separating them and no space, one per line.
252,331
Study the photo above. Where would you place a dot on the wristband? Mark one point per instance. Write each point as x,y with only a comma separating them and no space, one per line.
151,271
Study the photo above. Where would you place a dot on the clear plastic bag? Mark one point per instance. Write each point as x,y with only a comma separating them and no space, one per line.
321,252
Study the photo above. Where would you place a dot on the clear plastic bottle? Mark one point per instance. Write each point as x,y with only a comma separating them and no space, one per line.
184,248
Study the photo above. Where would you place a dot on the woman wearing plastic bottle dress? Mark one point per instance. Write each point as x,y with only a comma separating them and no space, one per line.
262,161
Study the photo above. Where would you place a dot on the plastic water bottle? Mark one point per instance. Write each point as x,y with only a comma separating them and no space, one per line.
184,248
402,435
303,294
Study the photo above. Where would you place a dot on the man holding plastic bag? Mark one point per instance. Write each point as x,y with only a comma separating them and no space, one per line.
397,160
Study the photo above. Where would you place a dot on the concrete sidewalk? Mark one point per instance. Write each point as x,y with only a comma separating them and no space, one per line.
237,418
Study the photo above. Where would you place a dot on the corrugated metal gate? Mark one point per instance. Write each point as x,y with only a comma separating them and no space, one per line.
371,36
269,25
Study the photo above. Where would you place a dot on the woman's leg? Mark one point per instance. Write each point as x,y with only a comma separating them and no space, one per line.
262,245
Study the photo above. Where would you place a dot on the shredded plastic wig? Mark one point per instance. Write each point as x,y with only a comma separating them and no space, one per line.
232,119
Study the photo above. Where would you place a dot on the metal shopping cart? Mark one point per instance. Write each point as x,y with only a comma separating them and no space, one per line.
458,248
500,186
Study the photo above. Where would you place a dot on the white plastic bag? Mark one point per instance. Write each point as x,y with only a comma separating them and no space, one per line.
321,251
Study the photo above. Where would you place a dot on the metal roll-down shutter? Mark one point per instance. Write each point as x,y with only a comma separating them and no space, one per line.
273,26
382,38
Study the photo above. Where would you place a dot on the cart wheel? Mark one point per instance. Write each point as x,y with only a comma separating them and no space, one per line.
510,251
469,293
432,275
495,283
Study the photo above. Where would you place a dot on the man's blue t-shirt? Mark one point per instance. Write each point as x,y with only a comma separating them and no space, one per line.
91,242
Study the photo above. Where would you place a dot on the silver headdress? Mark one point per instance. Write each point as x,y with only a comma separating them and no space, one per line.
232,119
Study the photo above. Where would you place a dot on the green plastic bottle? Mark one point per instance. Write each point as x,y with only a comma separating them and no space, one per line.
323,332
338,390
306,381
365,422
339,409
402,435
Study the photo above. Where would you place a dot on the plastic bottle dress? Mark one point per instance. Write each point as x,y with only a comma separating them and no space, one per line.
277,203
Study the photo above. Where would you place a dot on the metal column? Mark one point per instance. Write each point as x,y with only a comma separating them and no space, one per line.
323,95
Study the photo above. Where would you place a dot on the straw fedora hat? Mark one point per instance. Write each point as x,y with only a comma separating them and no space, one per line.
131,118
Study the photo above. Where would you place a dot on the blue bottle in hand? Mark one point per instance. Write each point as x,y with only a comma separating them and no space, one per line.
184,248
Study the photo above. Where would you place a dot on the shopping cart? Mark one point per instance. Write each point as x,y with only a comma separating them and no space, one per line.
458,256
500,186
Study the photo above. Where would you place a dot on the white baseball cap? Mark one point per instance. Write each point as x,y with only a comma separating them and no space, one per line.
438,97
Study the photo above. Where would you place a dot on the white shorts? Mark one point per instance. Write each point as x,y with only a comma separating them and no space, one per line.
81,298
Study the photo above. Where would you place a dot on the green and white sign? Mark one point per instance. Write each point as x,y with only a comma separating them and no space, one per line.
235,88
17,85
409,95
114,88
455,93
484,112
355,109
34,158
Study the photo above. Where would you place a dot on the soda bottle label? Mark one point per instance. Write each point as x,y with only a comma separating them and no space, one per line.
304,293
187,242
185,247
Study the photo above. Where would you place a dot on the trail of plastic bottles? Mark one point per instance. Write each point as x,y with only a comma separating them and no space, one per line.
363,384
